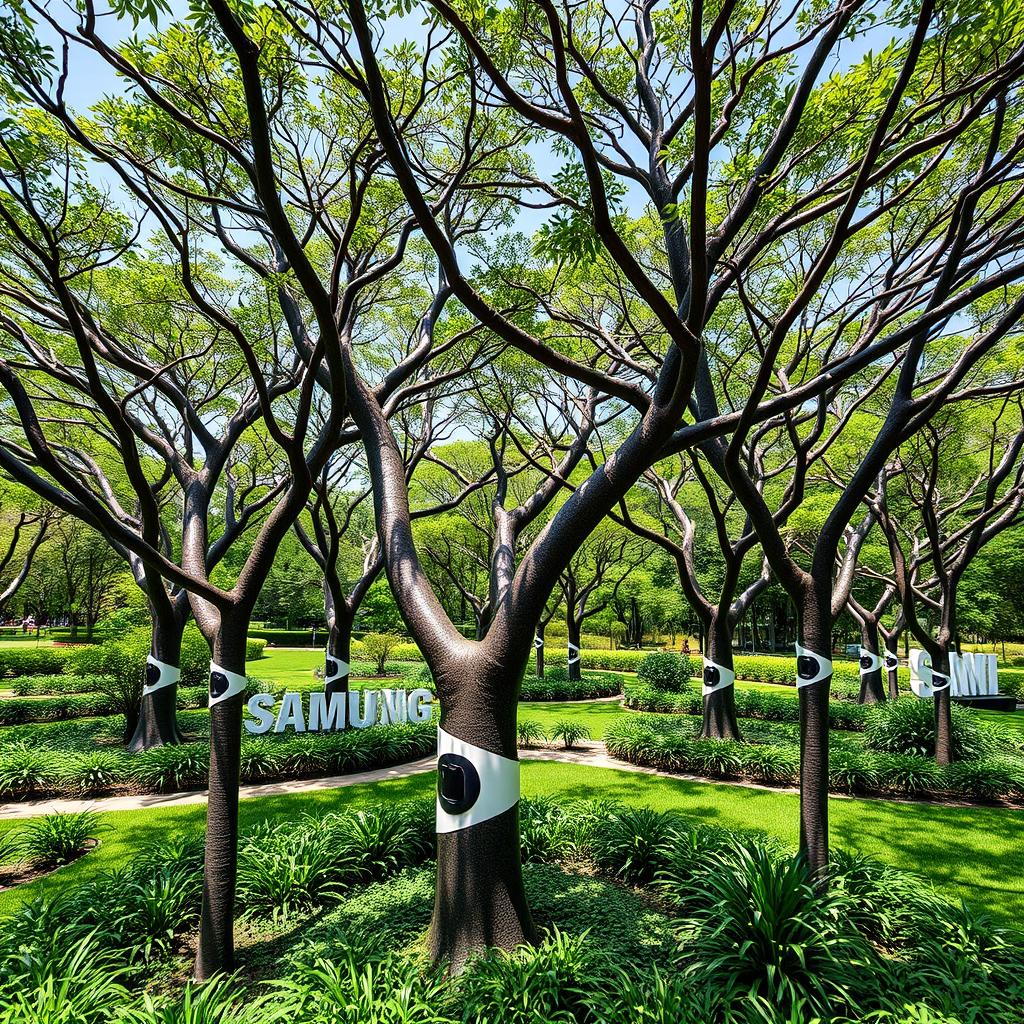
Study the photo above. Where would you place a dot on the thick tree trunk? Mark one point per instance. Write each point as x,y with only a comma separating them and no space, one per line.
814,700
479,900
216,929
157,725
720,705
871,689
339,650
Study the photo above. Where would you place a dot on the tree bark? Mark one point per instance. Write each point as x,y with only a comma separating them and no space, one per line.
719,721
479,899
871,689
943,710
573,637
815,635
216,929
339,649
539,650
157,724
892,646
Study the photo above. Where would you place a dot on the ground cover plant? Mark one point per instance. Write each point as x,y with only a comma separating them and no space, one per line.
335,907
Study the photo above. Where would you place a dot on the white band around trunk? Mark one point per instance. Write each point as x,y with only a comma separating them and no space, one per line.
941,686
874,661
574,653
892,660
822,667
498,783
158,675
334,668
224,684
538,642
716,677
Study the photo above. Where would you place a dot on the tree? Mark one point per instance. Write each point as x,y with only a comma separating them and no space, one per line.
17,515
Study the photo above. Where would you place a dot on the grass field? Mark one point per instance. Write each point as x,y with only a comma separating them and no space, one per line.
971,853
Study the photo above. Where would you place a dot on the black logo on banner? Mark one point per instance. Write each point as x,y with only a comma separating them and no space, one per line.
806,667
711,675
218,684
152,674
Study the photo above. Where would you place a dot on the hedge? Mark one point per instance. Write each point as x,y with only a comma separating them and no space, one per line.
33,661
27,774
555,688
766,668
669,744
767,706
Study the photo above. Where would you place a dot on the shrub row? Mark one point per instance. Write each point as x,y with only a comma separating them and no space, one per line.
27,773
556,685
34,661
668,744
53,686
766,668
767,706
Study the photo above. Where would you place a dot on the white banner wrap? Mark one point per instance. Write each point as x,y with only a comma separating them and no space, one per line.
574,653
811,668
224,684
538,642
943,685
869,661
334,668
498,783
891,660
159,674
716,677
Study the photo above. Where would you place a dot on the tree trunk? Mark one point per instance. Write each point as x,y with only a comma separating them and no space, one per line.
339,650
539,650
479,900
943,710
871,690
216,928
892,646
573,638
814,699
720,705
157,724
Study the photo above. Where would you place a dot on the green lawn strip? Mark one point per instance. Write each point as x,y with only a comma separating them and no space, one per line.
972,853
595,715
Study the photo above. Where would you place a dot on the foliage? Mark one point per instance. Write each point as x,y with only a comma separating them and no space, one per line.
569,732
379,648
54,839
529,733
33,661
556,688
664,671
907,726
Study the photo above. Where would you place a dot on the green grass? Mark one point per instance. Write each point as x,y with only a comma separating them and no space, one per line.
972,853
596,716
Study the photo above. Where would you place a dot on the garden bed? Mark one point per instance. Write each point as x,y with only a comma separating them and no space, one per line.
642,915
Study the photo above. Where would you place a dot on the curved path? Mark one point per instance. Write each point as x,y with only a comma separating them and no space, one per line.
591,753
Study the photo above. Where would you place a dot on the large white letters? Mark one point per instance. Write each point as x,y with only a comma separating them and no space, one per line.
357,709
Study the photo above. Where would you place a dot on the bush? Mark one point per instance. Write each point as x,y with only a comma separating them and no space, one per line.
166,769
56,839
664,671
254,648
558,686
547,831
43,686
770,763
33,661
909,774
634,844
94,773
379,647
26,772
530,733
756,927
570,733
989,779
907,726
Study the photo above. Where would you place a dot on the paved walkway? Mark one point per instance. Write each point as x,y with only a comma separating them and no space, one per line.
590,753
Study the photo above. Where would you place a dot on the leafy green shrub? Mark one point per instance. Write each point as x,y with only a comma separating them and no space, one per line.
756,926
33,661
770,763
284,869
664,671
383,839
379,648
50,685
547,831
633,844
214,1002
10,852
166,769
570,733
529,733
254,648
907,726
907,773
990,779
531,984
21,710
93,773
24,772
558,686
55,839
850,771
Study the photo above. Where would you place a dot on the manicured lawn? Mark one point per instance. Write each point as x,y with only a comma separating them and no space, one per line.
972,853
595,715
